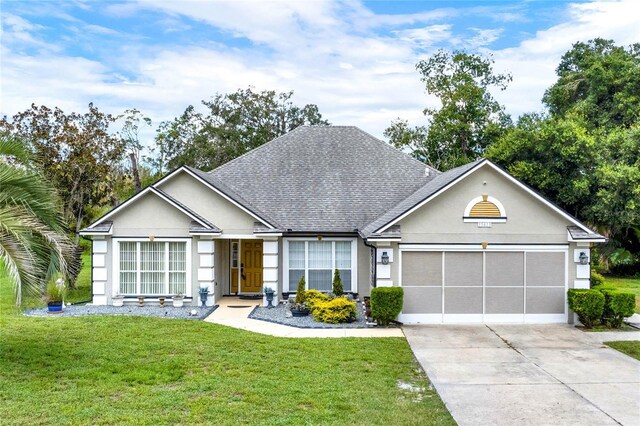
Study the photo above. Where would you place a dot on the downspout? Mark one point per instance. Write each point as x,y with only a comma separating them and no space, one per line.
373,262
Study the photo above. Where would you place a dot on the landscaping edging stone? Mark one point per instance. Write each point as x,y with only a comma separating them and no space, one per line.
278,315
131,310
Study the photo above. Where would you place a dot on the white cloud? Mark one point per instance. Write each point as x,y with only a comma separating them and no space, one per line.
357,66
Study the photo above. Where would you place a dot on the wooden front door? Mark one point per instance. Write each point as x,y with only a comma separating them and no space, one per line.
251,266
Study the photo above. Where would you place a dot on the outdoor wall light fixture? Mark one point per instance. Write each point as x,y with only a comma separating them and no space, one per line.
584,259
384,258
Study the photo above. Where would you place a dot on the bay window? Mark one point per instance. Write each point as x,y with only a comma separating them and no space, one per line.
317,260
152,267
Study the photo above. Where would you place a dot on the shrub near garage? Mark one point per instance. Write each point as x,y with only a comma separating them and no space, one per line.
617,306
587,304
386,304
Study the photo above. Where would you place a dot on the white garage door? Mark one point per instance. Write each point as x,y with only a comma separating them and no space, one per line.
495,285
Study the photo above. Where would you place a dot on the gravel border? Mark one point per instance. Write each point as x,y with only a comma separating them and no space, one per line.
277,315
128,310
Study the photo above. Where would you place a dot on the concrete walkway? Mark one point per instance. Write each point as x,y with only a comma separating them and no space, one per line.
529,374
233,312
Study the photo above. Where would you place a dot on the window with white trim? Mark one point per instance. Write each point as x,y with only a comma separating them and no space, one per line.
317,260
152,267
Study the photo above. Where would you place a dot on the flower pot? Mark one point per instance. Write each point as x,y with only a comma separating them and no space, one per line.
269,296
54,307
299,312
118,301
178,302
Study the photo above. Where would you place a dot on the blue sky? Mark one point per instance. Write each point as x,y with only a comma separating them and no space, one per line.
355,60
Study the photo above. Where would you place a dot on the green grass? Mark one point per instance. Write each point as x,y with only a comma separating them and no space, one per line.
631,348
82,292
134,370
631,285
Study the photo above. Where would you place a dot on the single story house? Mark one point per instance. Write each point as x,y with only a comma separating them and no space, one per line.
469,245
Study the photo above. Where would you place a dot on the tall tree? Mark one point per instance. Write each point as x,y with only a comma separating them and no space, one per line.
600,81
585,154
233,124
33,242
130,134
469,118
77,154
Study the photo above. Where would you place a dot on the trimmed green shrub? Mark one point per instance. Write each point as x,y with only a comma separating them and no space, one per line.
301,294
386,304
335,311
617,306
588,304
337,284
314,297
596,279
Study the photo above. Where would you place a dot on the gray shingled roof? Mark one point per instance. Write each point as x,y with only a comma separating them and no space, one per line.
417,197
234,195
578,233
322,178
104,227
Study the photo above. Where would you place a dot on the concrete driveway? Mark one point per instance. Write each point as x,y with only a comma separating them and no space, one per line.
529,374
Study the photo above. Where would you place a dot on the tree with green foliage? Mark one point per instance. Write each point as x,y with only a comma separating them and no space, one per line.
585,155
76,153
130,134
33,242
599,81
233,124
469,118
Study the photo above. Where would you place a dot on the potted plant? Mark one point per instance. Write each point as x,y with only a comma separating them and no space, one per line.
118,300
56,291
300,308
268,292
178,300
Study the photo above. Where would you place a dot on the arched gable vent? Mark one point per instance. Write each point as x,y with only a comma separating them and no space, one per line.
485,209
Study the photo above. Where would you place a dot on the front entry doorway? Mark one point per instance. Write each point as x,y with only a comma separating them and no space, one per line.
247,276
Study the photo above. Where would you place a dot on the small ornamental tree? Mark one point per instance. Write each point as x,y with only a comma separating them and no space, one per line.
301,296
337,284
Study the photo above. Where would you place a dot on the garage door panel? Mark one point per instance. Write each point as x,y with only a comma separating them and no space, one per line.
504,300
504,269
466,300
545,300
422,269
422,300
545,269
463,269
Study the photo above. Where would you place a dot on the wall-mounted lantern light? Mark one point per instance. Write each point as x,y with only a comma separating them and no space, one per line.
385,258
584,259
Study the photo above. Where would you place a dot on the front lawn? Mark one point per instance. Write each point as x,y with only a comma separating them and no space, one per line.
131,370
631,285
631,348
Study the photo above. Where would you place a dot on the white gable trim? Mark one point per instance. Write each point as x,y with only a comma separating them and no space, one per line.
503,173
222,194
149,189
